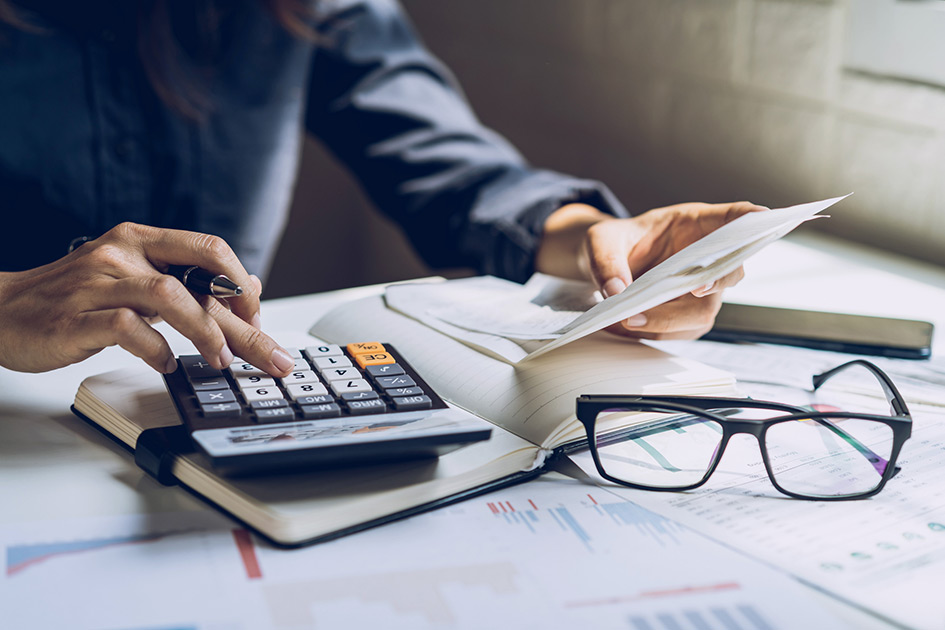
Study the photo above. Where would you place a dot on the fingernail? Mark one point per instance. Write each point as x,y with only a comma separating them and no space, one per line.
613,287
226,357
705,290
636,321
282,360
171,365
256,322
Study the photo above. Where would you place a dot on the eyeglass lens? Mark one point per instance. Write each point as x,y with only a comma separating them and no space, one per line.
832,457
668,450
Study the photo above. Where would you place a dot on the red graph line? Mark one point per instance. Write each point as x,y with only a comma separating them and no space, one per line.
244,543
534,507
593,500
510,506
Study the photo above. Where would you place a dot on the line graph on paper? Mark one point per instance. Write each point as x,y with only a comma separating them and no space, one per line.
25,556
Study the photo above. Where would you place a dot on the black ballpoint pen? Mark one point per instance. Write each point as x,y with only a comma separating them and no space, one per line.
205,282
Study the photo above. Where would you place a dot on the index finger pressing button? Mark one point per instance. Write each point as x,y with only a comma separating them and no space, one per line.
246,369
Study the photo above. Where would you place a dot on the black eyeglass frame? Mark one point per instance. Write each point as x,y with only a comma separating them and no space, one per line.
589,406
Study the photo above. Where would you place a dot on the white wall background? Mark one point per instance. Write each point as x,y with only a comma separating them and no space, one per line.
677,100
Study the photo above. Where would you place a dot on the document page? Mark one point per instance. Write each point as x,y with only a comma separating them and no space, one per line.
918,381
547,313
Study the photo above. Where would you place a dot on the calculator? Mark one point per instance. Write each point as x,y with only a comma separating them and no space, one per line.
354,404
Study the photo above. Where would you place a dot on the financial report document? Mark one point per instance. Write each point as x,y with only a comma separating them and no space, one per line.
553,553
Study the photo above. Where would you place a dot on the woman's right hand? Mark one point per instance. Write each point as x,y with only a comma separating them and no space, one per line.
103,293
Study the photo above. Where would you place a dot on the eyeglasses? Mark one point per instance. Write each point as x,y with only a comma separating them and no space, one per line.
678,443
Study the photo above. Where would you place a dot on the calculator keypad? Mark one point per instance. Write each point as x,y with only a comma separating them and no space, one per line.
327,381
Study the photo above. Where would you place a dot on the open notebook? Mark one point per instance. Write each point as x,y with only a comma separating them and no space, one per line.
531,406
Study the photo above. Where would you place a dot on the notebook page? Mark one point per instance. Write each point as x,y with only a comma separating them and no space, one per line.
534,400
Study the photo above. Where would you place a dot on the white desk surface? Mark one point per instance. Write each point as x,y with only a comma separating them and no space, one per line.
53,466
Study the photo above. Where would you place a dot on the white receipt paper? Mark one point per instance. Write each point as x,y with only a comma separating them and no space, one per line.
514,322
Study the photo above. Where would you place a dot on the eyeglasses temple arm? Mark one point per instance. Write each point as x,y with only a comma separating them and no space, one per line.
897,403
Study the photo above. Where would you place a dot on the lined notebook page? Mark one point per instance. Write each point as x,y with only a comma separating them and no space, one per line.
534,400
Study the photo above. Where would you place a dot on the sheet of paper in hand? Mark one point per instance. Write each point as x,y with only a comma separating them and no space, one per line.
515,322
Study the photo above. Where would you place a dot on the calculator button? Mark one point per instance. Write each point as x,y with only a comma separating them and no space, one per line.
295,353
354,385
252,382
219,396
373,358
365,347
245,369
303,376
326,363
262,393
340,374
358,407
389,382
301,365
328,350
305,389
409,403
269,403
404,391
206,384
221,410
279,414
349,396
391,369
196,367
329,410
320,399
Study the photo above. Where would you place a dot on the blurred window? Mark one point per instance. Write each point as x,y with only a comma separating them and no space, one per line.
897,38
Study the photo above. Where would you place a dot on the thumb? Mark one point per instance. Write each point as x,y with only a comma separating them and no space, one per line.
607,257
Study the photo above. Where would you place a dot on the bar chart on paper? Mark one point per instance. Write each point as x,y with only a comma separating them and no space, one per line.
656,529
547,553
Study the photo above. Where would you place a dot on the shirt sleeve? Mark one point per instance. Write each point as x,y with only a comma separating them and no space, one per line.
395,116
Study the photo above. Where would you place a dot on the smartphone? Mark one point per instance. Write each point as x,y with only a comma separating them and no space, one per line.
859,334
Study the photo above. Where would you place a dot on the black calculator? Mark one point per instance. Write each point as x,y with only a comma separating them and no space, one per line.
358,403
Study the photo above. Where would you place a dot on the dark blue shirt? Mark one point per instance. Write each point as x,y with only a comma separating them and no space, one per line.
85,142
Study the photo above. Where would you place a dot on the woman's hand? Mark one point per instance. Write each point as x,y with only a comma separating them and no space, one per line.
582,242
106,291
